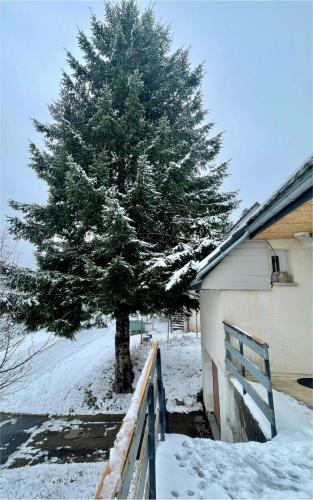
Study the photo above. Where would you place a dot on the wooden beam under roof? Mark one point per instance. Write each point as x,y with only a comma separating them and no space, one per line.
297,221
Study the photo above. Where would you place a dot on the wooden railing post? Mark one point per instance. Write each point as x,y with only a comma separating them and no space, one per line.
151,442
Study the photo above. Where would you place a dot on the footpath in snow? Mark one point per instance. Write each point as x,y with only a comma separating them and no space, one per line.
206,469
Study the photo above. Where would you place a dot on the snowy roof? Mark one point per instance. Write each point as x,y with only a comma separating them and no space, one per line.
292,193
246,215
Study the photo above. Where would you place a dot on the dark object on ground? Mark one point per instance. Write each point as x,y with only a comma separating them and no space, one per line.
306,382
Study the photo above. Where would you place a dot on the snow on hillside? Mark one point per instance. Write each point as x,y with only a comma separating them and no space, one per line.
206,469
76,377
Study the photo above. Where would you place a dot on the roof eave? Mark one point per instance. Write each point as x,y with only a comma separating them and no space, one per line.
294,195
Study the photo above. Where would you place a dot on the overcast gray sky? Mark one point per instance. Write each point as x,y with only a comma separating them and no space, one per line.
258,84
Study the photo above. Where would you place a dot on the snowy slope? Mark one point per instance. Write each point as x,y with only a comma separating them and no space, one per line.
206,469
61,375
77,377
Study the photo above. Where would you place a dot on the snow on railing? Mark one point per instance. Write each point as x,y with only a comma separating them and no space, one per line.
263,377
131,464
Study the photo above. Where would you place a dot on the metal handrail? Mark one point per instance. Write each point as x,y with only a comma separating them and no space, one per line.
261,348
140,453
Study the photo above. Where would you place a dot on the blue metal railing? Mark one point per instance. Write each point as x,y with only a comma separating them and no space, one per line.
263,377
137,472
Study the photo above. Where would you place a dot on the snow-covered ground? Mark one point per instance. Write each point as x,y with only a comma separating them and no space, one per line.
53,481
76,377
206,469
293,418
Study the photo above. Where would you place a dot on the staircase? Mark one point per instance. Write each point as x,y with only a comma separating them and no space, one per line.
178,322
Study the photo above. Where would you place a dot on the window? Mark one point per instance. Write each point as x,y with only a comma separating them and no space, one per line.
275,264
279,260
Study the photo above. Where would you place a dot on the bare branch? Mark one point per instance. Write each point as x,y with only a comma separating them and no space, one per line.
16,355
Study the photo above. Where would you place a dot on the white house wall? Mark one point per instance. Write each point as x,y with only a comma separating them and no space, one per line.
213,348
212,330
246,267
281,315
194,321
212,340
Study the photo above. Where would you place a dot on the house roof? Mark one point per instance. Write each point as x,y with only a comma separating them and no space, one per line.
290,195
246,215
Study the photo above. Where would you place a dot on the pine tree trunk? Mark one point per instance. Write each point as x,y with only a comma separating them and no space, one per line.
123,366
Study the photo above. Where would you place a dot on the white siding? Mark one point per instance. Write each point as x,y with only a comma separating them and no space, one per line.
247,267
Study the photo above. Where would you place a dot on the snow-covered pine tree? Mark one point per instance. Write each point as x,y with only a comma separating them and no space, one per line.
133,193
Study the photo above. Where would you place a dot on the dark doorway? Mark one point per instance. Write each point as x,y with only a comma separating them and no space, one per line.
216,396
